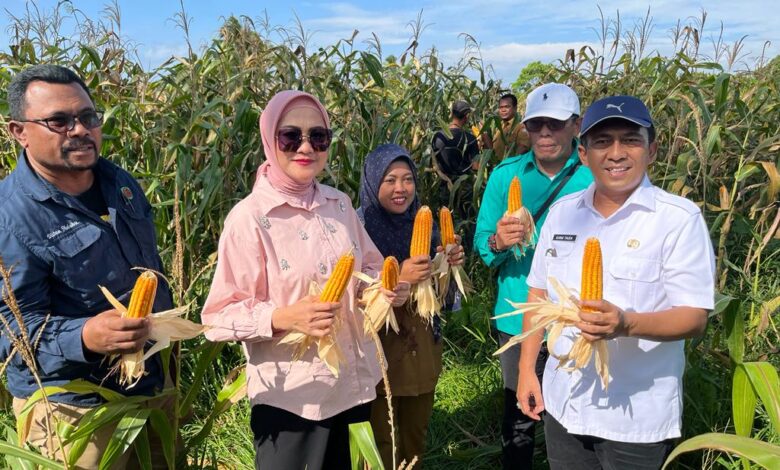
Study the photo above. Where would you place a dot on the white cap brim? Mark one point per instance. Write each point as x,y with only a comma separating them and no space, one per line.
559,114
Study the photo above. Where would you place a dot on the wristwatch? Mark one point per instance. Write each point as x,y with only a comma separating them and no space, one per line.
492,244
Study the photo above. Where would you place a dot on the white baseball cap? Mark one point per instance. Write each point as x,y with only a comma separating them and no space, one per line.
553,100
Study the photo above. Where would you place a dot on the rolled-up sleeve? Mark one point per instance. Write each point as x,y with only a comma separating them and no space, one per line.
238,307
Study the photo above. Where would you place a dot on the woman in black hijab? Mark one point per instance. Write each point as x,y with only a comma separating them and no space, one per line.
388,204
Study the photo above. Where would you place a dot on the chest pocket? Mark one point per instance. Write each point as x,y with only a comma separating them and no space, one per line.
74,259
557,259
637,279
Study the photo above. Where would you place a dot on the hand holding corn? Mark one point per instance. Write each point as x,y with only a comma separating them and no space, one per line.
399,295
416,269
308,316
510,231
457,255
110,333
600,319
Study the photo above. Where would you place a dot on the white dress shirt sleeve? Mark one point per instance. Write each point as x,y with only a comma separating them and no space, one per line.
689,265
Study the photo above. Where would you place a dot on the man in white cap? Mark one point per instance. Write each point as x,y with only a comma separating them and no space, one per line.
550,170
658,284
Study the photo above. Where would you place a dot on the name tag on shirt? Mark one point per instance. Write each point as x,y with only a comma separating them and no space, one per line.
564,237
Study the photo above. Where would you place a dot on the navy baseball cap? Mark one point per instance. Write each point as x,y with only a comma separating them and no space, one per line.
629,108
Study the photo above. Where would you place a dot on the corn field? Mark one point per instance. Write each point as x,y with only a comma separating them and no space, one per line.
188,130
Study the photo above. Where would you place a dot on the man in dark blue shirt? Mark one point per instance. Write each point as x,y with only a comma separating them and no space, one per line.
70,221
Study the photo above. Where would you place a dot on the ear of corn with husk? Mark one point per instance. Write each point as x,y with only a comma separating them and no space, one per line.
327,348
423,292
377,308
164,328
441,267
555,317
515,208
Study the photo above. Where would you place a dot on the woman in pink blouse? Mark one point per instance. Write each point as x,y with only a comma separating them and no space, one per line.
288,232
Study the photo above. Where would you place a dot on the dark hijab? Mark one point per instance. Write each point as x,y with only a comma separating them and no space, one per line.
391,233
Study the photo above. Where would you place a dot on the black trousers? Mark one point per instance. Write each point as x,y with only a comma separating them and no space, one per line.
518,431
284,440
575,452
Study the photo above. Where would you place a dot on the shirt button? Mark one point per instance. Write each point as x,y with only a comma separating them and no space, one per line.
414,353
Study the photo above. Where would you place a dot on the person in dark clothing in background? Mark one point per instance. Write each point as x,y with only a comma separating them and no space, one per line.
455,157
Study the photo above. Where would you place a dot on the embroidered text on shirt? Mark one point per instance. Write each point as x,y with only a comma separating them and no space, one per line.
63,228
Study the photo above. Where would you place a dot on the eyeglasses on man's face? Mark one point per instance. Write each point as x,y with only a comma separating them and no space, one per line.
536,124
62,123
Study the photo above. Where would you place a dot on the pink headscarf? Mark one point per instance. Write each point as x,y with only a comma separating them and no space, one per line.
269,122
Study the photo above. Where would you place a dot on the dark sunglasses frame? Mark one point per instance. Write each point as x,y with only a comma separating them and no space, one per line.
536,124
61,124
290,138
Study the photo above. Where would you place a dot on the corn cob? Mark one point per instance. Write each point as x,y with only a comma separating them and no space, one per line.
390,273
515,199
475,131
142,299
446,227
421,233
339,278
592,275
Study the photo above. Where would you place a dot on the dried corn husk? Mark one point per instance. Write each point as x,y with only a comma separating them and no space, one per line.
164,327
377,309
327,348
554,318
526,219
443,272
427,301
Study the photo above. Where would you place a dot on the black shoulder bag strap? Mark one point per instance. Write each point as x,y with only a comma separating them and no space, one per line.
564,180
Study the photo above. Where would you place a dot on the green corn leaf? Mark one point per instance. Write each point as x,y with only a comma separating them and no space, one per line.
743,402
125,434
8,449
763,376
761,453
361,439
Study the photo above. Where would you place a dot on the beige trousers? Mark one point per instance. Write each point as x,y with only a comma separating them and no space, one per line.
43,437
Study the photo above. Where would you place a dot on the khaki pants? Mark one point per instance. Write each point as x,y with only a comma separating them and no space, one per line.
44,439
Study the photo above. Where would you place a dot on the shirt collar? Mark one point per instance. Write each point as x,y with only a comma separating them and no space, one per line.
643,196
270,198
39,189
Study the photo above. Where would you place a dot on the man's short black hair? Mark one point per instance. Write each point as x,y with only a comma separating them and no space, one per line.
618,121
509,96
44,72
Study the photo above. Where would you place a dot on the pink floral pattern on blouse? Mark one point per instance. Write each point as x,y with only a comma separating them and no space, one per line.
269,252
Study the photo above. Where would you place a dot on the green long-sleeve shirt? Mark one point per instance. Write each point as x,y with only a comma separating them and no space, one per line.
537,187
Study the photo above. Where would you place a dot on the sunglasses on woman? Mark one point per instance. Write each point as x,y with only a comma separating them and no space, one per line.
536,124
291,138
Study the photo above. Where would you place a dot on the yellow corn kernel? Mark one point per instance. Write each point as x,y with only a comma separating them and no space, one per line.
475,131
339,279
390,273
515,199
592,271
142,299
446,226
421,233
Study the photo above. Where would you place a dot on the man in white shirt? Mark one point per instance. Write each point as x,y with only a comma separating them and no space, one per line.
658,287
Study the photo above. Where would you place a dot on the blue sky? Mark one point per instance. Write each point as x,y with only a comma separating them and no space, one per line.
510,33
